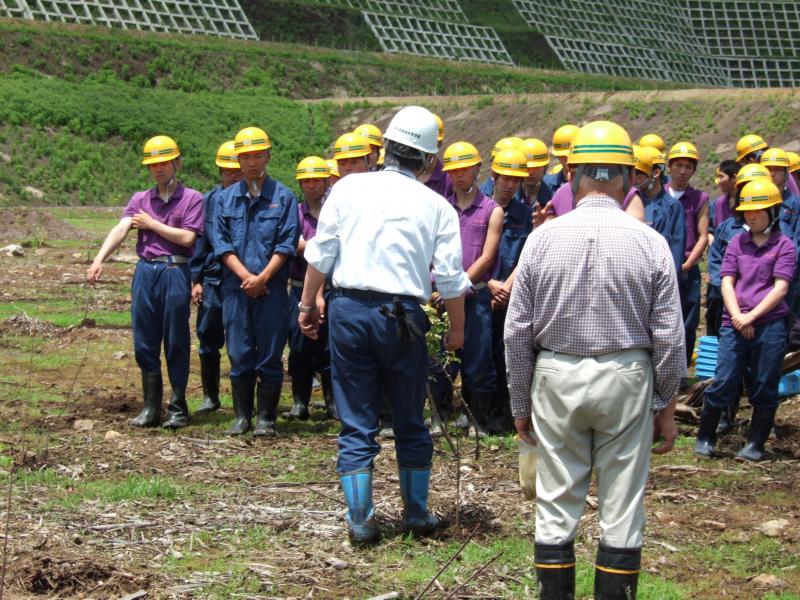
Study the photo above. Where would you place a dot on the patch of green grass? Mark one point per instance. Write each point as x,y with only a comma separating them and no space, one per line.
761,555
65,312
133,487
96,221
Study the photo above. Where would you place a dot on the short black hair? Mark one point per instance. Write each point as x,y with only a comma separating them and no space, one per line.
403,156
729,167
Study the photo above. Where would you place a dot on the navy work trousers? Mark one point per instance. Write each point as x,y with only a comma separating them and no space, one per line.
160,298
210,327
367,354
255,331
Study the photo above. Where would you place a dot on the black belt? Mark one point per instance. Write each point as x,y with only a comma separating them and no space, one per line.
375,296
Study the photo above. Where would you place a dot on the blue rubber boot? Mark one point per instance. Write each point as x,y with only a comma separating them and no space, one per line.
357,488
417,519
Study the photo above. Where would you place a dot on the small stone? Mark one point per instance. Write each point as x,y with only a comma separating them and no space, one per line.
714,525
336,563
35,192
83,425
113,436
773,528
119,355
765,580
12,250
5,157
40,252
77,255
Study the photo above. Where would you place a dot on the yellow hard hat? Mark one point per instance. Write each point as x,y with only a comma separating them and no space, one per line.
683,150
506,143
440,125
718,177
460,156
660,158
226,156
160,148
749,144
536,152
562,139
652,140
312,167
372,133
752,172
351,145
794,161
557,168
758,195
602,143
511,162
775,157
333,167
382,156
644,157
251,139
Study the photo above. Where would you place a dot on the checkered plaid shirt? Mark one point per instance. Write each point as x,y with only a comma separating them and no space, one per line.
591,282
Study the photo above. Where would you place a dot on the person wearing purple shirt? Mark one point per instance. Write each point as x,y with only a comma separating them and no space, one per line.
307,356
439,180
168,218
722,207
756,271
481,222
564,201
682,162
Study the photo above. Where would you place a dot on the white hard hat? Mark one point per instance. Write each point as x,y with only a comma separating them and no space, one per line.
414,127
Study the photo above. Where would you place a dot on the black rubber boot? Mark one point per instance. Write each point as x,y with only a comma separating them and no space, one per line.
301,394
727,419
209,376
707,431
243,392
555,571
760,426
153,391
479,403
616,574
327,394
177,411
269,394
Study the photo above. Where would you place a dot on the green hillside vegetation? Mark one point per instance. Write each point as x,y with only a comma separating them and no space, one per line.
77,103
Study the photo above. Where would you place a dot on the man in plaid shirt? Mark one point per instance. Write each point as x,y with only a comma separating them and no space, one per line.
595,308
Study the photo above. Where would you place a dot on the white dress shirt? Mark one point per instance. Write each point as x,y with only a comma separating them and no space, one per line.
383,232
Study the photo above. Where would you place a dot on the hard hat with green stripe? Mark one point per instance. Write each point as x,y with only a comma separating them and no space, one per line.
251,139
794,161
562,139
750,144
158,149
460,156
312,167
351,145
226,156
752,172
505,144
759,195
511,162
775,157
536,152
601,143
372,133
683,150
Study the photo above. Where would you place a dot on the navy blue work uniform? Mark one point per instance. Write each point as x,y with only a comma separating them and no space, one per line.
207,270
723,233
517,225
255,229
665,214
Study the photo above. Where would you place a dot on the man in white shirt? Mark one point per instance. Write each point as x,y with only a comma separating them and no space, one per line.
378,234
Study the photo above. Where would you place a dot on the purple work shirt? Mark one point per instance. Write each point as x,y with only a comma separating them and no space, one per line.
308,229
183,210
792,186
722,210
440,181
755,269
474,225
693,202
563,200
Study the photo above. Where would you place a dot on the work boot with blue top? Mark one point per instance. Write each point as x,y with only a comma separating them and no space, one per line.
357,488
414,484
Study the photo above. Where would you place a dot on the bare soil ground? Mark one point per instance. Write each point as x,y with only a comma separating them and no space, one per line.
101,510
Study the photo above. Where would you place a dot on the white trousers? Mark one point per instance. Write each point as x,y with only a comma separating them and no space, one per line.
592,412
